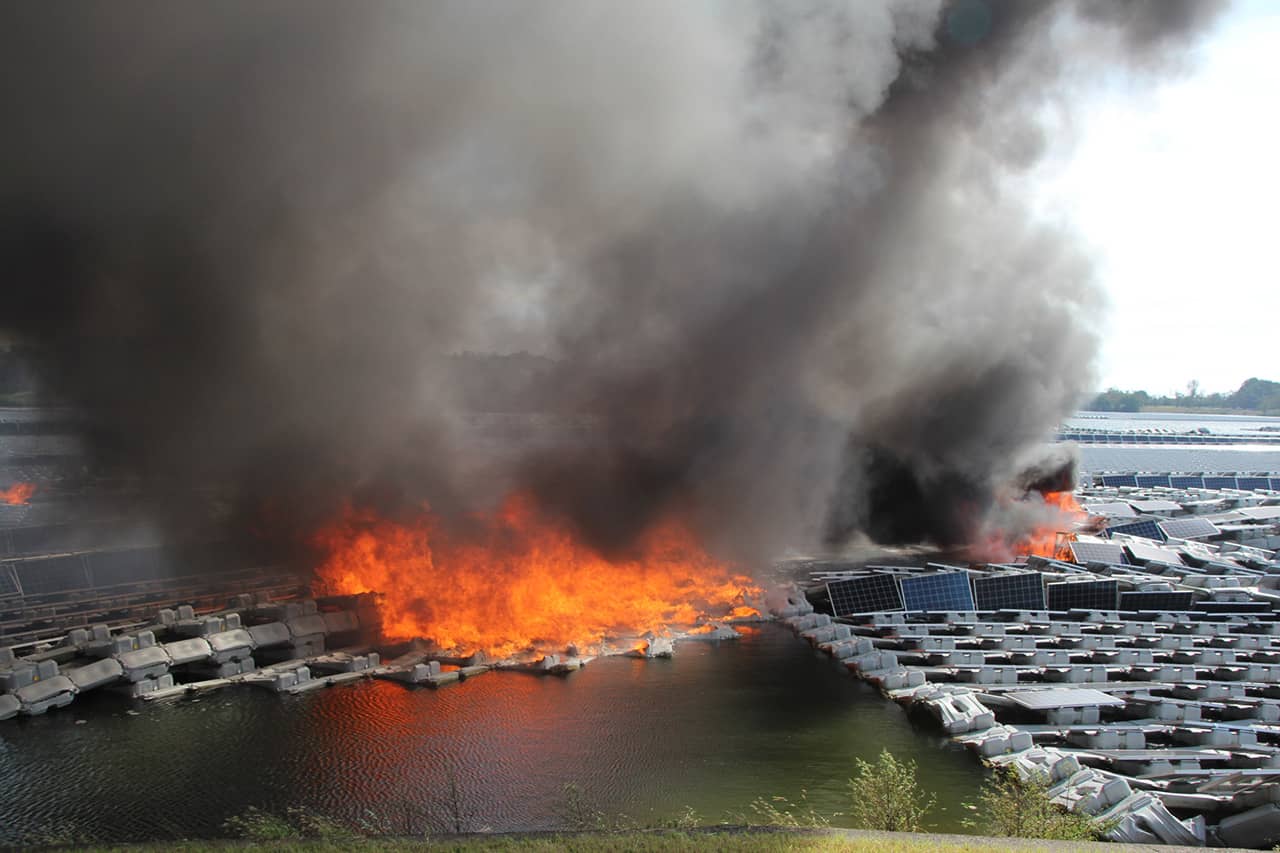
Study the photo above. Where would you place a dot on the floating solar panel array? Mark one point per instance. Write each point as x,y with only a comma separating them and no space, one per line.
1119,480
1156,600
1151,481
1023,591
1082,595
1098,552
1219,482
1188,528
1187,482
943,591
1145,529
866,594
1252,484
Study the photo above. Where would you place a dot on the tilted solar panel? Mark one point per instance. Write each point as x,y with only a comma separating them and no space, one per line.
1098,552
868,594
1275,483
1188,528
1119,480
1141,553
1022,591
1082,595
1219,482
943,591
1252,484
1145,529
1150,481
1139,600
1187,482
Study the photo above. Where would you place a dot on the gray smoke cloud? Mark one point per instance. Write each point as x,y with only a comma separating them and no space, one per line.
779,253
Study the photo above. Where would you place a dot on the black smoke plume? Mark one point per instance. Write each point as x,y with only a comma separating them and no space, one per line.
777,255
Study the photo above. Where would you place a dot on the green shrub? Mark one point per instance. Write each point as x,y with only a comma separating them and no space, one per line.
1016,807
779,811
887,796
255,824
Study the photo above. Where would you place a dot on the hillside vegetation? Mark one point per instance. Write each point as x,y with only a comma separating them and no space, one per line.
1254,396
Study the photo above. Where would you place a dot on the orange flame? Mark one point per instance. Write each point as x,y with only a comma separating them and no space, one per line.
515,581
17,494
1049,540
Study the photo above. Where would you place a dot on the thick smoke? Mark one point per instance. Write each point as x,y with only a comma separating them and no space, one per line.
779,252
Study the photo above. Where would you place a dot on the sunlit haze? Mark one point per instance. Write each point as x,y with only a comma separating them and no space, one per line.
1175,190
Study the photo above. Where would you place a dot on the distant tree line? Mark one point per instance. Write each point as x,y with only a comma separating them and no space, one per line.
1254,395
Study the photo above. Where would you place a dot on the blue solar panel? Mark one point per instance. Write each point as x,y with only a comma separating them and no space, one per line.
1145,529
868,594
1275,484
1187,482
944,591
1250,484
1219,482
1150,481
1119,480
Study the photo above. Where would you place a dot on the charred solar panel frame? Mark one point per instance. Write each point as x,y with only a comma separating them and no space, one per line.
937,592
1219,482
1144,529
1020,591
1187,482
867,594
1082,595
1119,480
1150,481
1156,600
1098,552
1188,528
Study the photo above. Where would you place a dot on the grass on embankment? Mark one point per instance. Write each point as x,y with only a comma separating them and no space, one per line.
767,841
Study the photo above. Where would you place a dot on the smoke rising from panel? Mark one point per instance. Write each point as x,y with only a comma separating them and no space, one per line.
778,256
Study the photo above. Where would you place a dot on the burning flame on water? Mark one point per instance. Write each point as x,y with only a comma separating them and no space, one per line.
514,581
17,494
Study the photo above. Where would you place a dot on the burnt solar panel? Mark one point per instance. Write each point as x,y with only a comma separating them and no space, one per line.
1219,482
1150,481
869,594
8,583
1023,591
942,591
52,574
1098,552
1188,528
1119,480
1187,482
1082,595
1145,529
1161,600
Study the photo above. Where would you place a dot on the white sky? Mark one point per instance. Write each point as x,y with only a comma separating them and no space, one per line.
1176,191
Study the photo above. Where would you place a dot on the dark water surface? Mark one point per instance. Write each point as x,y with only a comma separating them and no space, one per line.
712,729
